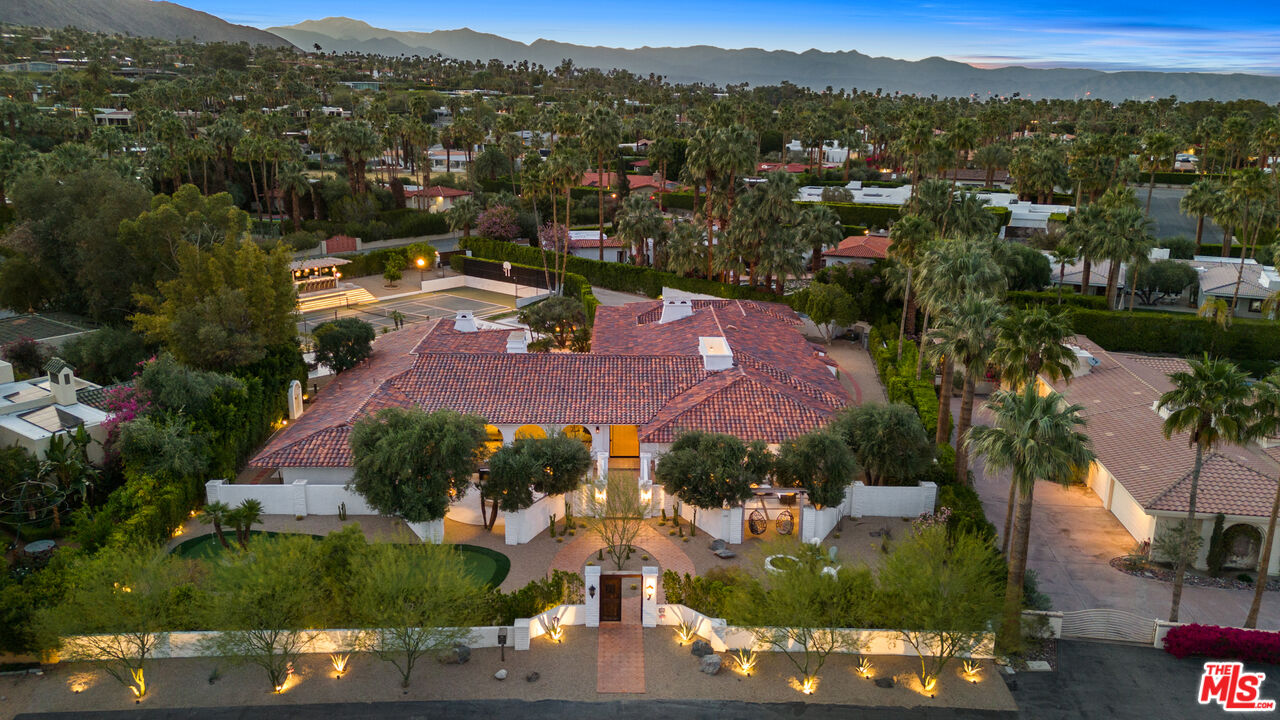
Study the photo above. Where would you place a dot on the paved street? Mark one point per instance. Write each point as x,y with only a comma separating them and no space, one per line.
1169,221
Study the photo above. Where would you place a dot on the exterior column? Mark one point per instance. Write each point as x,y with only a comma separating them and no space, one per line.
591,579
645,460
211,490
299,498
602,465
649,597
735,525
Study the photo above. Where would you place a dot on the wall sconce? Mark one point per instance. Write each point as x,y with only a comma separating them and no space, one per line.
648,590
591,592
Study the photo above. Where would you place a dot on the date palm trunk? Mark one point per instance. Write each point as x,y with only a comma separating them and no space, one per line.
1264,564
943,433
1180,569
1010,637
962,427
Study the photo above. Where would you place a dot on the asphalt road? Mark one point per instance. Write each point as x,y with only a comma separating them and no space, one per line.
1094,680
1168,221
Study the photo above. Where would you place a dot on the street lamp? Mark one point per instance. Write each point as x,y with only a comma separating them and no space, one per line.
421,264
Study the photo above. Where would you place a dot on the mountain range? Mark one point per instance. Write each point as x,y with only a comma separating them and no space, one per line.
813,68
700,63
133,17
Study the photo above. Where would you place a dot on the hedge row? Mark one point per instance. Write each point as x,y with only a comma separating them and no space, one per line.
899,378
1223,643
575,286
1254,345
872,216
1070,298
617,276
385,225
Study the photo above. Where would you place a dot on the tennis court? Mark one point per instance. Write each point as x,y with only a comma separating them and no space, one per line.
414,309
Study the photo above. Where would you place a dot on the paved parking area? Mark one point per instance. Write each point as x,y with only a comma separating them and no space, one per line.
415,309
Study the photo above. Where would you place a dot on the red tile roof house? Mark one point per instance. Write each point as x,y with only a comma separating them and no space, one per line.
433,198
859,250
1144,479
638,183
655,369
586,244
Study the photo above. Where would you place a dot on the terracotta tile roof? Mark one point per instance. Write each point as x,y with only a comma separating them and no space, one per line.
1118,397
871,247
640,373
439,191
636,182
1226,486
580,239
441,337
743,403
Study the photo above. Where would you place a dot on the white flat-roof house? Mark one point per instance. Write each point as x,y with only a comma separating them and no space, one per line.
33,411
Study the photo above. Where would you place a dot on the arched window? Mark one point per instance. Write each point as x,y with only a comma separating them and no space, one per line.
580,433
530,431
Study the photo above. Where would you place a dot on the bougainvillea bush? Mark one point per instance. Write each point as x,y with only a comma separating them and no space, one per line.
1223,643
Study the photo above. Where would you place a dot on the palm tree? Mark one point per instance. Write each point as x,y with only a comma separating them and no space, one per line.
245,515
1250,192
601,135
1062,255
1217,310
1030,342
463,215
687,251
1036,438
216,513
966,336
960,140
1158,150
637,221
818,227
1266,424
1209,402
294,180
1201,199
909,237
949,272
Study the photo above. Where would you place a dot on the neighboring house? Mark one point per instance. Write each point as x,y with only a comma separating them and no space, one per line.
1073,275
113,118
362,85
793,168
33,411
1024,217
1218,276
453,161
586,244
977,176
33,66
1143,478
434,198
638,183
858,250
655,370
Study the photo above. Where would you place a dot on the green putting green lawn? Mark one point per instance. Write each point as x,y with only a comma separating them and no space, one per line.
487,566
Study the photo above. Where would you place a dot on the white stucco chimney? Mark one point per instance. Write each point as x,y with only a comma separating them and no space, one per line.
464,322
1084,361
517,343
62,382
675,309
715,353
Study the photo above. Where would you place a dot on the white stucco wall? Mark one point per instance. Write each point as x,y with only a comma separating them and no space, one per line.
884,501
522,527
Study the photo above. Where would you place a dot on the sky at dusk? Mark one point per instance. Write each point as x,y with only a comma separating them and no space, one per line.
1237,36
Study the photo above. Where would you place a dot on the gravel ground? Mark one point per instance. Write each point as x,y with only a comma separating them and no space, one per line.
567,673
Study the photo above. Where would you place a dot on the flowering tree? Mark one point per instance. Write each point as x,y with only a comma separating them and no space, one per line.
123,404
499,223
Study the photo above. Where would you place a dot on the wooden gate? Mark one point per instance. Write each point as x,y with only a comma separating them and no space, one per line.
1114,625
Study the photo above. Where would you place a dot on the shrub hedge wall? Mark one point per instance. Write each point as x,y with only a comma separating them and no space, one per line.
1254,345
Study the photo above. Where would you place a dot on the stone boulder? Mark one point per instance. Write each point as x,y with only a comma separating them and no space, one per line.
532,677
701,648
457,655
884,682
709,664
717,545
500,675
725,554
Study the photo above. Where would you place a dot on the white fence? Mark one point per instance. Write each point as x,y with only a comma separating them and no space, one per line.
298,498
724,637
523,294
882,501
523,526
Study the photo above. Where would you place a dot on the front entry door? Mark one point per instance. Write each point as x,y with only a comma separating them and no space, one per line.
611,598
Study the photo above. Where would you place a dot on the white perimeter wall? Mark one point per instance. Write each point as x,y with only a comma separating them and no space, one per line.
299,498
522,527
877,501
524,295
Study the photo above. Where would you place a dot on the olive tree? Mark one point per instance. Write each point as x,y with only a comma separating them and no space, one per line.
821,463
888,442
343,344
410,463
710,470
550,466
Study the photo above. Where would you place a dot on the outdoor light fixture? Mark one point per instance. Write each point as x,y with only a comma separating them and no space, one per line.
591,591
648,590
502,643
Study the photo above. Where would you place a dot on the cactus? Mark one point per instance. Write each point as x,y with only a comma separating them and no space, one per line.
342,511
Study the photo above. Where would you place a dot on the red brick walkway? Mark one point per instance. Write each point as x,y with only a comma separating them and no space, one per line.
666,554
620,652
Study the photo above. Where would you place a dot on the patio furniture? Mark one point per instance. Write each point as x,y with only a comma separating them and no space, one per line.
757,523
786,523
